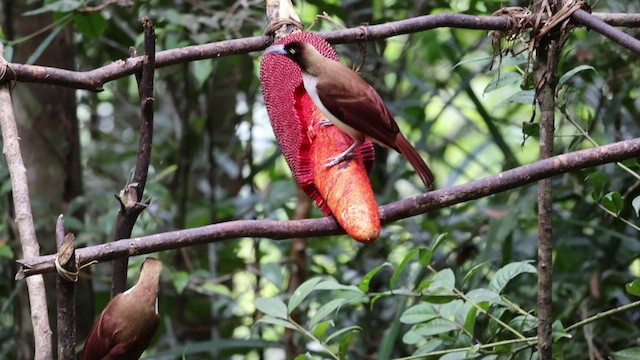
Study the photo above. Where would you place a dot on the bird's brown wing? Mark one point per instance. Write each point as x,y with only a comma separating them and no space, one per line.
358,105
99,341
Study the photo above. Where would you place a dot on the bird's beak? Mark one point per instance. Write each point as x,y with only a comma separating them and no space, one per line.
275,49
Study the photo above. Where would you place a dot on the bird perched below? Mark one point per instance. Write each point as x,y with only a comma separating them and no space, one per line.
126,326
349,103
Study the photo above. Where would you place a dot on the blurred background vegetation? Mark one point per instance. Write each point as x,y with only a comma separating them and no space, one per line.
215,159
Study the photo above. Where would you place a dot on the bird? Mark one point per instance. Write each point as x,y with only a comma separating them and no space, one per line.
126,326
349,103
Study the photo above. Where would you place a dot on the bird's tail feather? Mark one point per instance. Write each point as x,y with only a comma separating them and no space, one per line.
406,149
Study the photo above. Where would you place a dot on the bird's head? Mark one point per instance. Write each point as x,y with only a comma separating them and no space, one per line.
302,53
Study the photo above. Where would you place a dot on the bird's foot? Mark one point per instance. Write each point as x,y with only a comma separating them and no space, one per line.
345,155
325,122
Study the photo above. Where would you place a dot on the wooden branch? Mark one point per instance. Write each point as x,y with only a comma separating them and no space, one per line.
95,79
65,292
131,202
24,217
278,230
545,72
593,22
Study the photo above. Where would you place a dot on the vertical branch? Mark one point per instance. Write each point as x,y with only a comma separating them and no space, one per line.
65,291
546,81
24,218
131,203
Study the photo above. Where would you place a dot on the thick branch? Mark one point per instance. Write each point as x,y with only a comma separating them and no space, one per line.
131,203
24,218
593,22
95,79
273,229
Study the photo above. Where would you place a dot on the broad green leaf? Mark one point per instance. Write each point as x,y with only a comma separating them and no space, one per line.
202,70
627,354
343,331
508,272
484,59
333,285
366,279
321,328
180,280
213,288
558,331
598,182
325,310
501,80
531,129
3,37
457,355
419,313
526,97
636,205
430,346
165,172
6,252
302,357
412,338
57,6
443,283
474,270
564,78
273,321
90,24
435,327
470,320
481,295
343,348
633,287
271,306
518,59
524,323
613,202
302,292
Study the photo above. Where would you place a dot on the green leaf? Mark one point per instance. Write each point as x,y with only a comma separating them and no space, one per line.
526,97
165,172
180,280
366,280
321,328
91,24
597,181
343,331
6,252
281,322
443,283
613,202
636,205
419,313
484,59
333,285
508,272
325,310
438,242
501,80
435,327
302,357
57,6
627,354
470,320
481,295
524,323
531,129
558,331
271,306
343,348
3,37
430,346
302,292
564,78
633,287
44,44
412,338
474,270
400,268
202,70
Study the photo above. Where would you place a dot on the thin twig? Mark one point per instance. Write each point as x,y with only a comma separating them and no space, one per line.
131,203
278,230
24,219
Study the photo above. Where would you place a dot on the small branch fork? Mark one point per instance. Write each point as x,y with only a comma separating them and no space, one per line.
95,79
131,203
279,230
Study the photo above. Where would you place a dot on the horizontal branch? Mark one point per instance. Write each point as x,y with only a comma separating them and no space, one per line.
94,80
274,229
588,20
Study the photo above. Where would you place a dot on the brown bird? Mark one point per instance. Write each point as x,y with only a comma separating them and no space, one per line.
126,326
349,103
